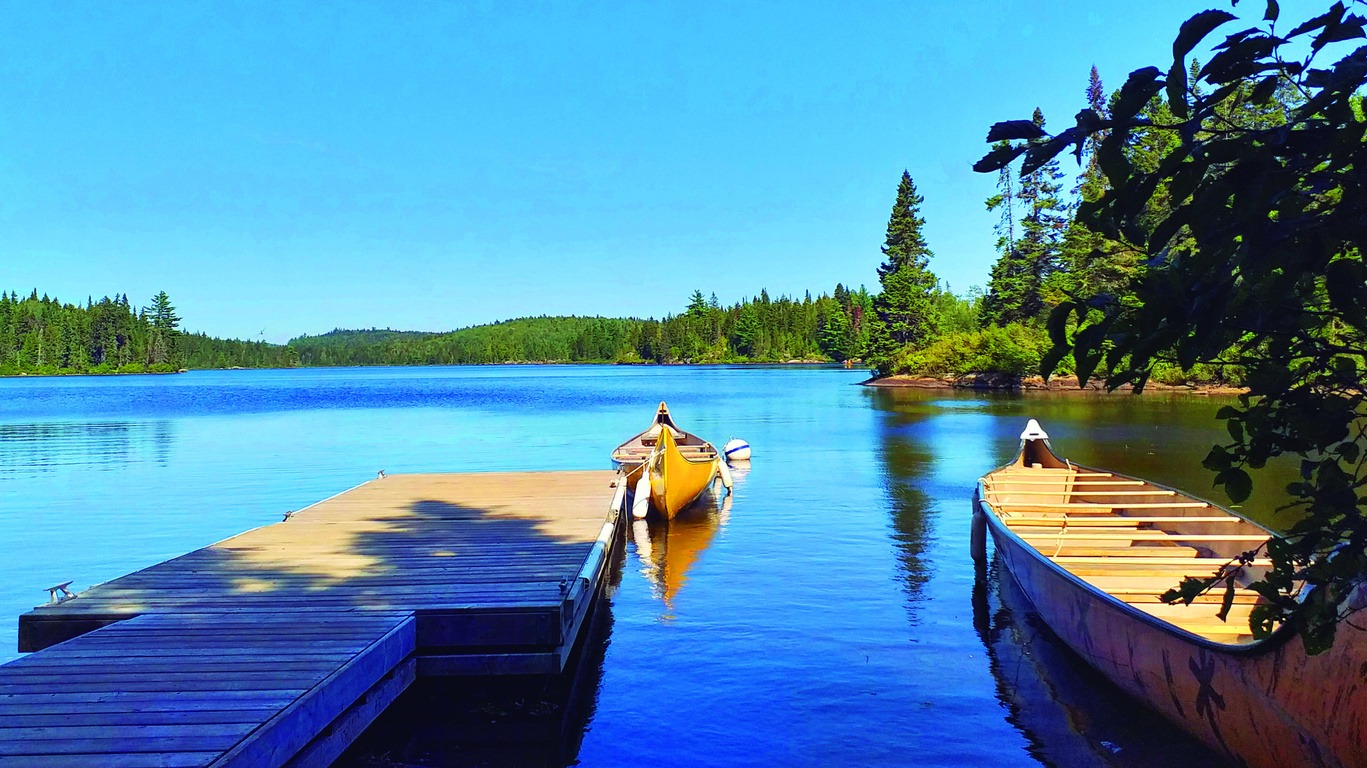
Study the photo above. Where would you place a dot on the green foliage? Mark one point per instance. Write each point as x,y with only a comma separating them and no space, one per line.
1015,290
756,330
1014,350
958,314
1247,206
45,336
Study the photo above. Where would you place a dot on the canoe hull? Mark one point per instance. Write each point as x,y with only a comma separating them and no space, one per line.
1270,706
676,481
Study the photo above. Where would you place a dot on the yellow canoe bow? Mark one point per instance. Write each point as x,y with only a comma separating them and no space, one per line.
677,480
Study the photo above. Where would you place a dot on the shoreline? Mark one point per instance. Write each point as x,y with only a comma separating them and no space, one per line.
1062,385
756,363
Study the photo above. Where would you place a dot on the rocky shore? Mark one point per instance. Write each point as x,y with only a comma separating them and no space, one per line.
1061,384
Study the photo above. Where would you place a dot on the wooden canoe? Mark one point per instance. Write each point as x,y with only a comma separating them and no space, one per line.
678,479
632,454
1093,550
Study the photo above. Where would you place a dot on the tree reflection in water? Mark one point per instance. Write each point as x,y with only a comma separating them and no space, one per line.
907,463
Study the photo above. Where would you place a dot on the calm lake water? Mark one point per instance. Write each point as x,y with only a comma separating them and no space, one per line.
827,614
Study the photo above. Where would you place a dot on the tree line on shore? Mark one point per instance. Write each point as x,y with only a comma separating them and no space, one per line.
760,329
42,335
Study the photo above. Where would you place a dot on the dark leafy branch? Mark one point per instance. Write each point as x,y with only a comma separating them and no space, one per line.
1252,225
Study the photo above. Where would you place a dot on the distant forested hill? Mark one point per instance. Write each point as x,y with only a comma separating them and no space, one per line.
830,327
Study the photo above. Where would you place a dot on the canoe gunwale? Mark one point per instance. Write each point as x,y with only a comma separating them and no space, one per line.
998,527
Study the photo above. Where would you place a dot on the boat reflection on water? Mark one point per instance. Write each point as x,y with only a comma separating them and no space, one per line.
1069,713
667,550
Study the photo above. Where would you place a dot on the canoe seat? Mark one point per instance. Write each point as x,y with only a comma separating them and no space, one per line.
1074,507
1148,534
1201,618
1073,521
1142,597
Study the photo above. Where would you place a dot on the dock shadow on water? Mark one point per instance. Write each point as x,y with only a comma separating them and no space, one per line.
532,721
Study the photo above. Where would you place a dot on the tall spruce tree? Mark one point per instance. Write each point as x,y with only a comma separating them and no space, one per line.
1015,291
1092,264
161,347
905,307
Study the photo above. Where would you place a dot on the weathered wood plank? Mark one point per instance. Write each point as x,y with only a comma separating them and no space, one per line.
180,759
327,747
282,643
65,718
284,735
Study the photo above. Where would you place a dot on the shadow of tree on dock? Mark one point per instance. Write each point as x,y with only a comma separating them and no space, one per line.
366,553
390,545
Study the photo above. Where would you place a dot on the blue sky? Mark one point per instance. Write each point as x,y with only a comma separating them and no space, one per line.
284,168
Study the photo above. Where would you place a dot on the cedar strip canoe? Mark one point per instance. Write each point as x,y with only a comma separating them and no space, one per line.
1094,551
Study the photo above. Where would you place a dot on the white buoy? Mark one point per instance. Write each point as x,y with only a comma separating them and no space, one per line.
736,449
725,473
640,502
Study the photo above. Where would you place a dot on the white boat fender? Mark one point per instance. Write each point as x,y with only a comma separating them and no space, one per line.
619,497
725,473
736,449
640,502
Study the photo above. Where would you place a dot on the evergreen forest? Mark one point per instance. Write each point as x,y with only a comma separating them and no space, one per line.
46,336
1047,255
830,327
42,335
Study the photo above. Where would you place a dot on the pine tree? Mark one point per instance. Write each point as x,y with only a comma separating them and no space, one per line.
1015,292
697,305
905,306
1092,264
161,337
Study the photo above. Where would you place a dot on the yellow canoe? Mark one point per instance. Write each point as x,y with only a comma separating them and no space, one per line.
634,453
677,480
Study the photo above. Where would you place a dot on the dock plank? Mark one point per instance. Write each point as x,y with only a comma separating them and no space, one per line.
277,646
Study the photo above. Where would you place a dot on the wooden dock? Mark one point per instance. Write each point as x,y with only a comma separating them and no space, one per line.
278,646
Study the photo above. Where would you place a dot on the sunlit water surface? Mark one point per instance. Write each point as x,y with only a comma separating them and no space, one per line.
827,615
